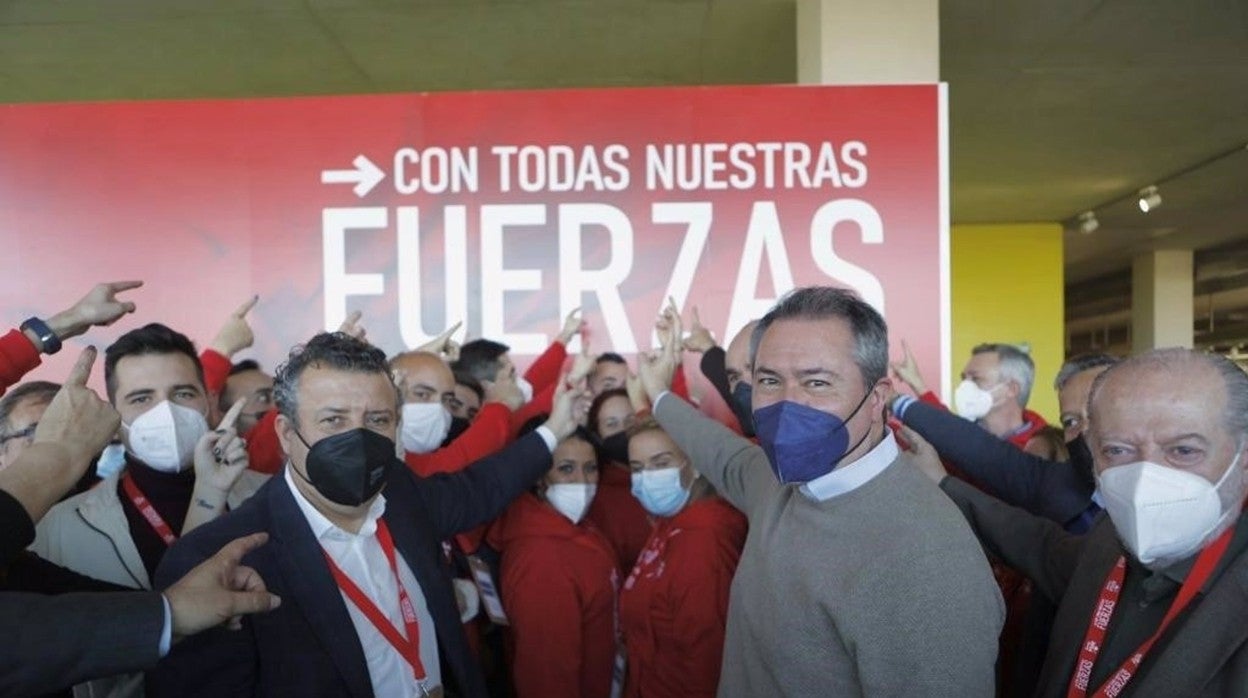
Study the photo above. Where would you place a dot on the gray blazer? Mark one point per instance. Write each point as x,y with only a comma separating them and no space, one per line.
1208,652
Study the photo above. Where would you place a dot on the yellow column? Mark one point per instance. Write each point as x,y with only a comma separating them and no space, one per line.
1006,283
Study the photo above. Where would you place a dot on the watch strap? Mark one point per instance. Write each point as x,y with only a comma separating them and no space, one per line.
48,340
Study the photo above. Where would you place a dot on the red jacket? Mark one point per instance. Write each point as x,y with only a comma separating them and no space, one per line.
487,434
618,514
558,583
543,375
674,604
18,356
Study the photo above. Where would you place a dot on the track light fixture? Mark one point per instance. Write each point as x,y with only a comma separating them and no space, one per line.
1088,222
1149,199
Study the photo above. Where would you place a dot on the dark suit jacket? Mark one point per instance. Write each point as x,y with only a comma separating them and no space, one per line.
1204,654
1056,490
308,646
51,642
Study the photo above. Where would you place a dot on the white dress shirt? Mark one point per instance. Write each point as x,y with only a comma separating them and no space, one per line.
849,477
361,558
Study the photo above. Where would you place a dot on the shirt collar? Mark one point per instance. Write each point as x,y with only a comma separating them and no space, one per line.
323,528
854,475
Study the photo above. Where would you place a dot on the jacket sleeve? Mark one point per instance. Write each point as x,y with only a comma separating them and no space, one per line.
715,370
18,356
1046,488
541,404
544,610
52,642
1037,547
216,662
216,370
736,466
17,532
487,434
545,369
458,502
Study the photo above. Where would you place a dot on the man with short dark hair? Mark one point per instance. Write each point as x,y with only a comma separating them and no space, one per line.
468,397
609,373
355,546
20,410
855,579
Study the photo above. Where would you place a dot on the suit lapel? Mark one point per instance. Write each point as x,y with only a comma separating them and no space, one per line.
1213,632
308,581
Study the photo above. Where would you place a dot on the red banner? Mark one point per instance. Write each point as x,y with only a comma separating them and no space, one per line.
503,209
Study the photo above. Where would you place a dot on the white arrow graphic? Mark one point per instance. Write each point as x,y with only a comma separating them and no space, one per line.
365,176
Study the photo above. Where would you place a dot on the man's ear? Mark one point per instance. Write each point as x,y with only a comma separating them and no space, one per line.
285,433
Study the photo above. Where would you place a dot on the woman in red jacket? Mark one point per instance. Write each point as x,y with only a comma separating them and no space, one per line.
615,511
674,604
558,582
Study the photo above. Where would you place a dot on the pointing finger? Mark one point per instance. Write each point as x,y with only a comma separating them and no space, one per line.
246,307
227,422
119,286
81,371
234,551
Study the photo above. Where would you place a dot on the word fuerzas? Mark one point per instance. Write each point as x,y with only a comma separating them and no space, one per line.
665,167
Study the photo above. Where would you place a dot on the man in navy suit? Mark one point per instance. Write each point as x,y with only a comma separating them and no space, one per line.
354,546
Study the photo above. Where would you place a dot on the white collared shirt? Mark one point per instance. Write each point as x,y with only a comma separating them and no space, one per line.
854,475
361,558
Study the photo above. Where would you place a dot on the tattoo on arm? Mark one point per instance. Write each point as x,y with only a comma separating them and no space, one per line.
200,501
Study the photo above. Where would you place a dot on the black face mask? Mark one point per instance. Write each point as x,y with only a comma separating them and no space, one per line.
741,404
1081,459
459,425
351,467
614,448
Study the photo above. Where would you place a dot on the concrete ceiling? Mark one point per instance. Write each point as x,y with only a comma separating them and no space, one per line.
1056,106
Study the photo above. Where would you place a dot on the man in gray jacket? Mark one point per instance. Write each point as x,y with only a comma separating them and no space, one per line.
858,577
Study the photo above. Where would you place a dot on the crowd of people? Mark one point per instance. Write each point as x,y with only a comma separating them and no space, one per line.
435,522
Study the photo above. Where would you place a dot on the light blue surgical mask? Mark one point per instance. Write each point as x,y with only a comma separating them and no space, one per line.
112,460
660,491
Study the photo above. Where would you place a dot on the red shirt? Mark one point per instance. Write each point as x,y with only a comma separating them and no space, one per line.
674,604
558,584
618,514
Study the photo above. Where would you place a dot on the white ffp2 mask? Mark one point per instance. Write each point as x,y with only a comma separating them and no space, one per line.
164,437
972,401
425,425
571,499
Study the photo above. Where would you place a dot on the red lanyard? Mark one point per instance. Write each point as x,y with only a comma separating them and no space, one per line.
148,511
409,647
1095,638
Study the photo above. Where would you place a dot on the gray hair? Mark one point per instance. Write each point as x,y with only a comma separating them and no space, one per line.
1233,377
39,391
824,303
1079,364
337,351
1016,365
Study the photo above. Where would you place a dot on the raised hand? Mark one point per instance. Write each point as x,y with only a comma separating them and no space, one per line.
562,420
908,371
99,307
77,420
636,393
700,338
656,368
220,460
220,589
236,334
582,364
352,327
443,344
572,325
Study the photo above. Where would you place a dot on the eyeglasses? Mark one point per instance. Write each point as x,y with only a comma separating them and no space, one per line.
27,433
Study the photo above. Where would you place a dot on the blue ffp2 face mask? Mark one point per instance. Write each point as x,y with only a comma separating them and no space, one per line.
803,443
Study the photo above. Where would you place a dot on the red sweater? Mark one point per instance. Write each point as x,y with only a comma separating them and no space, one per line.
558,585
618,514
674,604
18,356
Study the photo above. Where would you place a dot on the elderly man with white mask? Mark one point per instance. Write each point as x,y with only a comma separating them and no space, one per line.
1153,599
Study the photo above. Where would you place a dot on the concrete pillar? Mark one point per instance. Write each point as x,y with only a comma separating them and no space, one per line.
849,42
1162,285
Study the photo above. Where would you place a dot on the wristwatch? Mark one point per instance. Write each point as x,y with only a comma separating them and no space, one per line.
48,340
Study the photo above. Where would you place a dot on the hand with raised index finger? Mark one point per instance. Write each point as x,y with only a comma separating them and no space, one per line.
235,334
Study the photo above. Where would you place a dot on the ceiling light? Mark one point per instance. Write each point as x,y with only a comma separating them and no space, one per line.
1149,199
1088,223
